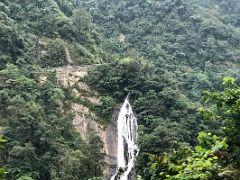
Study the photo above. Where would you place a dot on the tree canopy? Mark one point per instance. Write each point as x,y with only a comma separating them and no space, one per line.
166,54
214,157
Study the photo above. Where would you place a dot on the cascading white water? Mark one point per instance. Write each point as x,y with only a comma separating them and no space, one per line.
127,142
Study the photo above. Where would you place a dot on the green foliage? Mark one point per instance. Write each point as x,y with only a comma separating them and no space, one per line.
192,45
227,112
83,164
1,142
10,41
162,111
44,135
82,20
198,41
213,157
41,30
96,178
25,178
36,119
75,165
172,32
2,170
2,173
105,110
66,6
188,164
96,154
55,54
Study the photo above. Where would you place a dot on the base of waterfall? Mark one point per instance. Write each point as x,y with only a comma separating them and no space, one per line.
120,175
127,143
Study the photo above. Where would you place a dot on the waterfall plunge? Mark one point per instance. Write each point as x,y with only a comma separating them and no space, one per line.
127,142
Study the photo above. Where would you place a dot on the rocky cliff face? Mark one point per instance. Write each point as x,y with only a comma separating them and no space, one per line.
108,136
84,119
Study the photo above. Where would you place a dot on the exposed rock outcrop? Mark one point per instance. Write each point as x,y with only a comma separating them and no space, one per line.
84,119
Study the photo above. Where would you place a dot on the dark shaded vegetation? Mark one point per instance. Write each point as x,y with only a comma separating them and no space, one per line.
35,115
164,53
167,118
214,157
198,41
192,44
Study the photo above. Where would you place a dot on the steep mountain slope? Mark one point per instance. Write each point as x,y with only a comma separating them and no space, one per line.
196,40
36,115
43,30
193,45
164,53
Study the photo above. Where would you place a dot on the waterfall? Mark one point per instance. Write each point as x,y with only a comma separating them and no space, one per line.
127,142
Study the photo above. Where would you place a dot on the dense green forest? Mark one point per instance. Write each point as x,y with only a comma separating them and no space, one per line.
35,119
170,55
